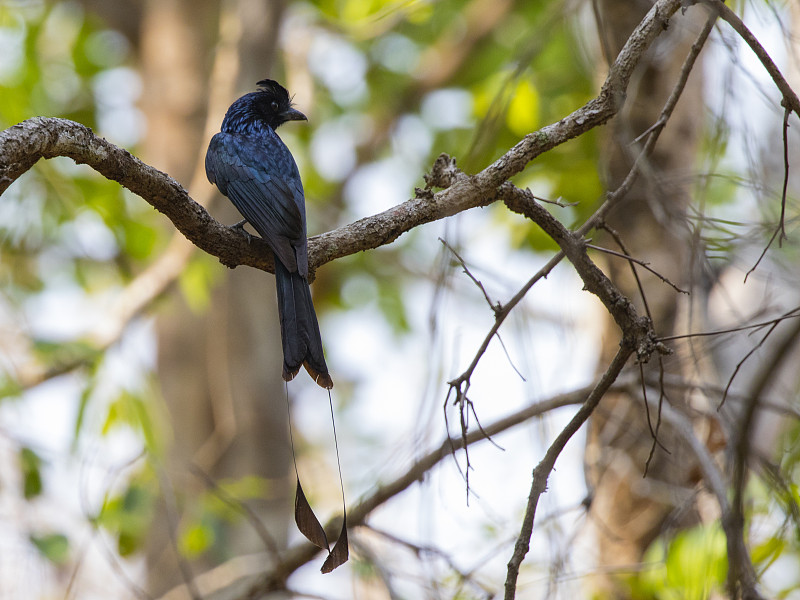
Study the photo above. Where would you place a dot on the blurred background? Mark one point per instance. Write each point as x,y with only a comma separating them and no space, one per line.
143,421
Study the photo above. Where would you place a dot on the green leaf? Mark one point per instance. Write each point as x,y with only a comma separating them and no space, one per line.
390,302
196,539
9,387
139,239
129,515
691,567
54,547
767,552
132,410
31,464
223,503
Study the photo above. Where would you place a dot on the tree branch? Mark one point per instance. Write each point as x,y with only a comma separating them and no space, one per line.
542,471
790,100
22,145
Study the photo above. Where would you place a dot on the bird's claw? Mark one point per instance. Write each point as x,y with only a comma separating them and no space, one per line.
240,227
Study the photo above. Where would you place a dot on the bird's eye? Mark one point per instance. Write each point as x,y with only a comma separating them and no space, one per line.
274,106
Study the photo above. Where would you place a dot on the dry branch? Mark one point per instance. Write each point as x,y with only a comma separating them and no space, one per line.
22,145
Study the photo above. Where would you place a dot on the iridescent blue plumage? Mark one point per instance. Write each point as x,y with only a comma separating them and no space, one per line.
252,166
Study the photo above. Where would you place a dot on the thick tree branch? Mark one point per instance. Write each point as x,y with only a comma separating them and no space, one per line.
22,145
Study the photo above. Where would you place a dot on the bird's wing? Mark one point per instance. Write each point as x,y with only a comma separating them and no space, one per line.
263,183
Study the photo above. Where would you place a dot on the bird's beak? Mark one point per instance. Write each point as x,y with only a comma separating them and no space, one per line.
292,114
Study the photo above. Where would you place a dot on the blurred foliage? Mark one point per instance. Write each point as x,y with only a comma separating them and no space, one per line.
127,516
60,215
692,566
31,467
419,78
197,280
53,546
205,525
131,410
693,563
436,80
62,226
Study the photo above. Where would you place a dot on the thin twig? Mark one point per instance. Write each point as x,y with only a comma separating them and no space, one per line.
741,577
654,132
793,313
501,317
542,471
780,229
422,553
790,100
508,357
782,223
557,202
744,359
639,262
662,393
495,306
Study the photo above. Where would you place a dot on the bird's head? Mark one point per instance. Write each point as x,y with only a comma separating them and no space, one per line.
273,104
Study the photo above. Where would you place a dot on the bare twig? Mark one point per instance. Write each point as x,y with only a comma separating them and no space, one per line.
790,100
780,229
423,552
785,135
500,317
662,393
639,262
794,313
542,471
495,306
653,132
741,576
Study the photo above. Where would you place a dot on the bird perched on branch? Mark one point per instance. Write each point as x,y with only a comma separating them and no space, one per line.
250,165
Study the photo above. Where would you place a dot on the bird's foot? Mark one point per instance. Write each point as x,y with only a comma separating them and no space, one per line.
240,227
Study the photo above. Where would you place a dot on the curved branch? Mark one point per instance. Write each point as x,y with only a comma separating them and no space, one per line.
790,100
22,145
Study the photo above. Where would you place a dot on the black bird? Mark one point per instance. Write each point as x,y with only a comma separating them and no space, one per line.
250,165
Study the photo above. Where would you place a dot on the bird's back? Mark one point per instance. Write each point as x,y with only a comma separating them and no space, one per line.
256,171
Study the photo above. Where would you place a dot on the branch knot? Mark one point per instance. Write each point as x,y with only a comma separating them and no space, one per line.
444,173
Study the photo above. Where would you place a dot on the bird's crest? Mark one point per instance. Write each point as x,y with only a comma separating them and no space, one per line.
272,87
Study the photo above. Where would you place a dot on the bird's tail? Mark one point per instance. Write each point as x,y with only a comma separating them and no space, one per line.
302,345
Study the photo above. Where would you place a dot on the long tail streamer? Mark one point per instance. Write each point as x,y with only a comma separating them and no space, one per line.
307,522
